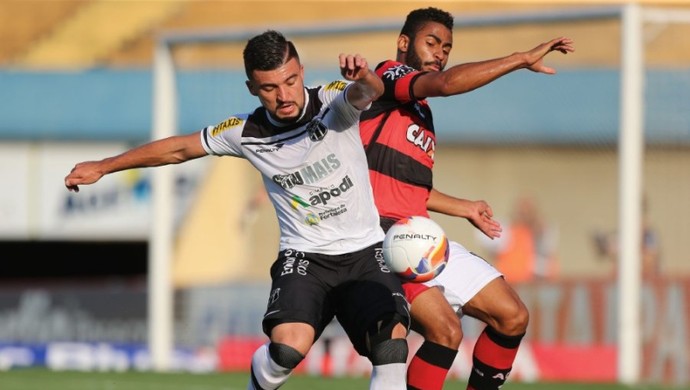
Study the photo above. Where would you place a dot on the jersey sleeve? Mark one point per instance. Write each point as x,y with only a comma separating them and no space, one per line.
334,96
397,81
224,139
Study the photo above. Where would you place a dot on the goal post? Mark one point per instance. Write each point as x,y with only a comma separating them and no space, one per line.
630,198
630,156
160,290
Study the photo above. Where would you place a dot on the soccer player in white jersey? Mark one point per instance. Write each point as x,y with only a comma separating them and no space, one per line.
306,144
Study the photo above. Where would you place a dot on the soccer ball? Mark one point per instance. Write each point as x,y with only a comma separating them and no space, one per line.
416,249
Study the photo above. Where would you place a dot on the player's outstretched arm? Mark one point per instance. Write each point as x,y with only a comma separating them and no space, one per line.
478,212
535,57
172,150
467,77
367,86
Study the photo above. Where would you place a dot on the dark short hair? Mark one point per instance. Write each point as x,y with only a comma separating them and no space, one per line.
267,51
419,17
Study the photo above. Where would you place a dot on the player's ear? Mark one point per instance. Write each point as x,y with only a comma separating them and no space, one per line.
403,43
250,87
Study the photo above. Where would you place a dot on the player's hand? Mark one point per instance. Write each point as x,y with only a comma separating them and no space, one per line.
83,173
366,86
353,67
535,57
481,216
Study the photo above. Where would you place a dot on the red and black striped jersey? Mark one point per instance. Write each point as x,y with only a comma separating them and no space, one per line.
398,135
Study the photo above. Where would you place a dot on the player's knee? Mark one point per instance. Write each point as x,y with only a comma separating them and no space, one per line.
385,345
284,355
383,329
445,331
514,319
388,352
521,320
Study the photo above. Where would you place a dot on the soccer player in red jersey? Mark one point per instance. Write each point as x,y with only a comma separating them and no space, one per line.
398,136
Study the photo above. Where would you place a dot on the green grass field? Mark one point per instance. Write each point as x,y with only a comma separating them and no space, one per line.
40,379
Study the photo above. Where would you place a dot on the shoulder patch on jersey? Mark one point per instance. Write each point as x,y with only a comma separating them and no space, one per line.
337,85
397,72
233,121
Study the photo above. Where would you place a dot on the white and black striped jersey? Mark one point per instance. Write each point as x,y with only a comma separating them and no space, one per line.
315,171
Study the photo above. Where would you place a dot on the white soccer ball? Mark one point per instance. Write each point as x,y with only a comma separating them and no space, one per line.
416,249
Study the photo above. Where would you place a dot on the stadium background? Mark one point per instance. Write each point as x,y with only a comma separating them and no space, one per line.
77,85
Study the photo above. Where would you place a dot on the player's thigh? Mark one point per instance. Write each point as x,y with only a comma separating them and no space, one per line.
499,305
370,296
465,275
434,318
300,292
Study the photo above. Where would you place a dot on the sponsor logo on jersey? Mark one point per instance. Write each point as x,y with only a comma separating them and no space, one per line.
312,219
322,197
397,72
225,125
309,174
335,86
421,139
270,149
332,212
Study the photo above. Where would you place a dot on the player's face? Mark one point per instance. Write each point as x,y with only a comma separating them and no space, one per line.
281,91
430,49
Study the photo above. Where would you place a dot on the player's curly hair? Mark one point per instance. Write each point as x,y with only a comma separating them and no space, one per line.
267,51
417,18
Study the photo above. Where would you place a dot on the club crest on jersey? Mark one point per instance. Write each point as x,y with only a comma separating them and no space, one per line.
317,130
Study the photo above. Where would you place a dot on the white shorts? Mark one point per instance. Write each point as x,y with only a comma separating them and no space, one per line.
464,275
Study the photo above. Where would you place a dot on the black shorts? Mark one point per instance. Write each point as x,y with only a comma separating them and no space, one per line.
356,288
